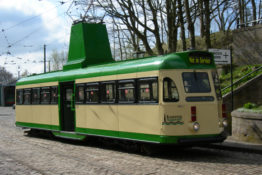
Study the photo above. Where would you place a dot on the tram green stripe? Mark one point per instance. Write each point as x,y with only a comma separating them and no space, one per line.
69,135
38,126
139,136
170,61
114,134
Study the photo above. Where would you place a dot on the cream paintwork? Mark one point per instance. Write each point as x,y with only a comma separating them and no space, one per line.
39,114
97,117
208,115
37,85
139,119
127,118
135,118
118,77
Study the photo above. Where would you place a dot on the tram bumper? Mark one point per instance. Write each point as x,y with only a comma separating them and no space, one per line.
202,140
196,139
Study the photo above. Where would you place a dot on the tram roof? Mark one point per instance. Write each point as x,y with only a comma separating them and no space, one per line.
170,61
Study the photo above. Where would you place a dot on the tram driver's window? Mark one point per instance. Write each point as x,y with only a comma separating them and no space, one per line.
170,91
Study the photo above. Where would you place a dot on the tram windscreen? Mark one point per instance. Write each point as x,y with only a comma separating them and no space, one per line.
196,82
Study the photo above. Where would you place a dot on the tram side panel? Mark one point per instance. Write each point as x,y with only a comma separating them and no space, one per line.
97,119
42,116
140,119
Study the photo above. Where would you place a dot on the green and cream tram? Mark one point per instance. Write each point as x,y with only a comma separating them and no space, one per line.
169,99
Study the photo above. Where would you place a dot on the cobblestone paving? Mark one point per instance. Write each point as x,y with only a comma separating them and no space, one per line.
25,155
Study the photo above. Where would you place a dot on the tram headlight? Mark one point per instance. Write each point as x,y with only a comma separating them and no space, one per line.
225,123
196,126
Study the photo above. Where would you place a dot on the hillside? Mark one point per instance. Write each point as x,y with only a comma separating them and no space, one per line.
238,73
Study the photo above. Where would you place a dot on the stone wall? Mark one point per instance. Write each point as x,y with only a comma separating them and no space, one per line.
251,91
247,126
247,45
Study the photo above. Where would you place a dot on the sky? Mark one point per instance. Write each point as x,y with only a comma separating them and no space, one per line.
25,26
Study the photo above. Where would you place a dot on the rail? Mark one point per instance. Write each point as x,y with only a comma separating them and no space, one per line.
242,78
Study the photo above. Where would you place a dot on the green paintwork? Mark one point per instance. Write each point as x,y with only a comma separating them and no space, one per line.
69,135
139,136
89,45
170,61
35,125
81,133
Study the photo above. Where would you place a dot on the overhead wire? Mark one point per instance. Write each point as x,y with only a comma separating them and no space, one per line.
33,17
8,53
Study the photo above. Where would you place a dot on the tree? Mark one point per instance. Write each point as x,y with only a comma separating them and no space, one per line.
25,73
190,24
58,59
181,22
254,11
207,24
5,76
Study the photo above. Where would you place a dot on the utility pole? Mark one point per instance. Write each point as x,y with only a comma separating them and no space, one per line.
44,58
49,65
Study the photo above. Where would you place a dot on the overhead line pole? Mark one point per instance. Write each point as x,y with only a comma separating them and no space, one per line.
44,58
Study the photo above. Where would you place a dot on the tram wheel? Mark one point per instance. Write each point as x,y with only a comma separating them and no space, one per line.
148,149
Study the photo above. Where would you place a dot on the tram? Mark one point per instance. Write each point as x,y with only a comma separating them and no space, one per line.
167,99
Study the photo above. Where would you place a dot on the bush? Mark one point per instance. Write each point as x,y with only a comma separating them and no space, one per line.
250,105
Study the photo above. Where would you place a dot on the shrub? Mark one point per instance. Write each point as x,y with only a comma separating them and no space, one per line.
250,105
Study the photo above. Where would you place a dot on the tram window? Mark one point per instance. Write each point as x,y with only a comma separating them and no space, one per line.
196,82
148,90
19,96
80,93
108,92
45,95
36,96
54,95
27,96
92,93
170,91
126,91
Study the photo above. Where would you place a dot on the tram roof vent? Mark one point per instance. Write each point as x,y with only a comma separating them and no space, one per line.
88,45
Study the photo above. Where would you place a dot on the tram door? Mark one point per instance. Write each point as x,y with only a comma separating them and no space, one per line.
67,106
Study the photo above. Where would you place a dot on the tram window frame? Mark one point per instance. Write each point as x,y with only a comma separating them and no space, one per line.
35,99
78,100
150,82
54,99
27,91
19,100
104,92
45,90
90,91
169,90
126,89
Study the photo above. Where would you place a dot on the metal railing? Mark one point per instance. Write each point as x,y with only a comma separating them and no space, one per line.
236,82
